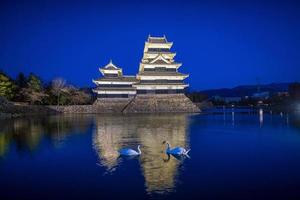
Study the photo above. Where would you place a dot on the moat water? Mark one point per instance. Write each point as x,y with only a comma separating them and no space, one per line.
234,155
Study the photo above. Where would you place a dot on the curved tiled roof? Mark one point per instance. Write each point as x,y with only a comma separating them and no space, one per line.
157,39
120,78
111,66
116,88
161,73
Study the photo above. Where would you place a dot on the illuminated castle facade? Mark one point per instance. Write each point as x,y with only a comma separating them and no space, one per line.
157,87
158,74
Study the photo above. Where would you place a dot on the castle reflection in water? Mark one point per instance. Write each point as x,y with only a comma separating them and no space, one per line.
111,132
48,136
159,170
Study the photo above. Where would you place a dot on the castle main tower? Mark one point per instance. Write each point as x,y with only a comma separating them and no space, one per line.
158,72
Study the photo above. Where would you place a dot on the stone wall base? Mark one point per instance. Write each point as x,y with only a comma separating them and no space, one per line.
159,103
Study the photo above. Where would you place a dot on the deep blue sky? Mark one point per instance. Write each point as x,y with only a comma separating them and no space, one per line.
220,43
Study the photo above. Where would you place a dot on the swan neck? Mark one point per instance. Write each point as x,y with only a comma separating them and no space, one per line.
139,150
168,145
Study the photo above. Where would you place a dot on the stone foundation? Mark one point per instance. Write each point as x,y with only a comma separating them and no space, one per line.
160,103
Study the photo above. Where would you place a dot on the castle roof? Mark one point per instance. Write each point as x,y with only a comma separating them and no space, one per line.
161,73
157,39
111,66
118,79
115,89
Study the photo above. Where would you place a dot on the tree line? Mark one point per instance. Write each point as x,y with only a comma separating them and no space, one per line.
31,89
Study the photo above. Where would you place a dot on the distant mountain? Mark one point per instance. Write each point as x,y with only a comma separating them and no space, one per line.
247,90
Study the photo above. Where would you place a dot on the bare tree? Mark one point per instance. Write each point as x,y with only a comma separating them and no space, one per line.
58,86
80,97
33,97
77,96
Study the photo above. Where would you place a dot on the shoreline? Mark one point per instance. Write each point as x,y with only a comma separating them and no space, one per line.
14,109
141,104
42,110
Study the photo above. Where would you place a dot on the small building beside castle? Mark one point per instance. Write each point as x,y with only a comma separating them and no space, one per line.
157,87
114,84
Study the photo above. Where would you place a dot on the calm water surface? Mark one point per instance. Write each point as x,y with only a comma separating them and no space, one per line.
234,155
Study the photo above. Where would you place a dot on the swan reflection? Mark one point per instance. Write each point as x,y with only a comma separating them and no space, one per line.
177,157
160,170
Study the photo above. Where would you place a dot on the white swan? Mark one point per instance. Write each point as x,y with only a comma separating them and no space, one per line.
176,150
130,152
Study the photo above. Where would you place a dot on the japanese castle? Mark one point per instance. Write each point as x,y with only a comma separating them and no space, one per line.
158,74
157,81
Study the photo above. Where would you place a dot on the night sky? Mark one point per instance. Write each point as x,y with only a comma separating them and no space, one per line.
220,43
